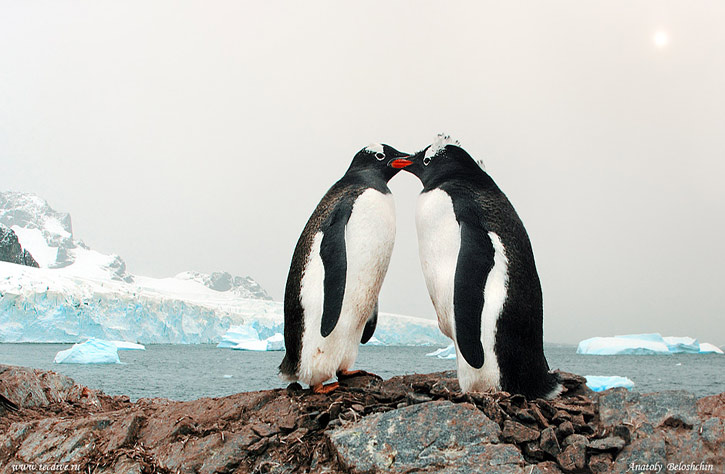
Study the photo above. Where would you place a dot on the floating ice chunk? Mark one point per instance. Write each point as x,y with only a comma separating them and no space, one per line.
707,348
273,343
93,351
128,346
644,344
599,383
444,353
629,344
688,345
237,334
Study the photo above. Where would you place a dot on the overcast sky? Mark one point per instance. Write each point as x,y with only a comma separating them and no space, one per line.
201,135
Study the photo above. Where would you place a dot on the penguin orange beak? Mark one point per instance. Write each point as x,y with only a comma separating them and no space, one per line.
400,163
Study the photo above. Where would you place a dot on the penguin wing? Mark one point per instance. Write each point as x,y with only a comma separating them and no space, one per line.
475,260
334,260
370,325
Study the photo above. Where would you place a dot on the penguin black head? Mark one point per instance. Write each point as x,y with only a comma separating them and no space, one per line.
378,159
442,160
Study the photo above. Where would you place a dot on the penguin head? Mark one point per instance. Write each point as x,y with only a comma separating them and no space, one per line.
378,159
442,160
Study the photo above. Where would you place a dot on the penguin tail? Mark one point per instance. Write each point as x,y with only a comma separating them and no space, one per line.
288,370
557,387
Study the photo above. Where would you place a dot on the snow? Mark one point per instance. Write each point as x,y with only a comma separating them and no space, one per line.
80,293
439,144
93,351
642,344
444,353
375,148
33,241
599,383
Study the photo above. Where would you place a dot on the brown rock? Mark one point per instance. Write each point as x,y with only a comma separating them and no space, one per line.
573,458
713,406
532,450
518,433
601,462
546,467
565,429
549,443
610,443
575,439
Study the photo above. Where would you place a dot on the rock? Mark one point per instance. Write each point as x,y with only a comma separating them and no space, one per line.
546,467
549,443
565,429
575,439
389,426
713,405
455,435
11,250
518,433
624,432
573,458
618,406
610,443
532,450
601,462
644,452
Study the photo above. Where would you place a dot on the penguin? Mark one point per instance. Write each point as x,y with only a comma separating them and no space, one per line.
479,269
337,269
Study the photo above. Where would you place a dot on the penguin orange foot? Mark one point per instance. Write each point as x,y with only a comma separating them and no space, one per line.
325,389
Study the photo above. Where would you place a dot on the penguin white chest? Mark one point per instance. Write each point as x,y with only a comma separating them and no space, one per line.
369,240
439,242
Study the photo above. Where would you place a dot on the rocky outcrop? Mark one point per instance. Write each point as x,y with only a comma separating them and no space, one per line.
11,250
415,423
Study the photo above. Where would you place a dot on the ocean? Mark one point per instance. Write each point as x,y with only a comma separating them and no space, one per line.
187,372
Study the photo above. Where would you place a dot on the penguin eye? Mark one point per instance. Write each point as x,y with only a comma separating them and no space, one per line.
380,156
426,160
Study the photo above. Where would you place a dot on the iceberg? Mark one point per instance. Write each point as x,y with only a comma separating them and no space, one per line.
599,383
707,348
93,351
273,343
127,346
687,345
444,353
643,344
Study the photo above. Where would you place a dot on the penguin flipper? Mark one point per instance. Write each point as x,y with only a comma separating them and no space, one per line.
334,259
370,325
475,260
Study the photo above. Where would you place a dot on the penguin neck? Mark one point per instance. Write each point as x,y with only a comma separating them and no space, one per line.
368,178
480,180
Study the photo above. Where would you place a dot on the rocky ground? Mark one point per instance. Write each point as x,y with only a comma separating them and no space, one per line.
416,423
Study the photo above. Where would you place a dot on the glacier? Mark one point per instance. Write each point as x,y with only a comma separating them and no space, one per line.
644,344
93,351
79,293
600,383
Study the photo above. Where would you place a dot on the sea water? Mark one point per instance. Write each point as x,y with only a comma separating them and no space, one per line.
187,372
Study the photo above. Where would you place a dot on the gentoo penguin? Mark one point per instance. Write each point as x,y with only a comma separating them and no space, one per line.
338,266
479,269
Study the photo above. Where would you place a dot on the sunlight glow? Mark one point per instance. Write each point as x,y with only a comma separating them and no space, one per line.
661,39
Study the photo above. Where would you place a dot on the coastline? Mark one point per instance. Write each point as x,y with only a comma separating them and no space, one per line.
420,423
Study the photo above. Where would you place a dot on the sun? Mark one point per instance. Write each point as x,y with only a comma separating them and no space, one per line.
661,39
